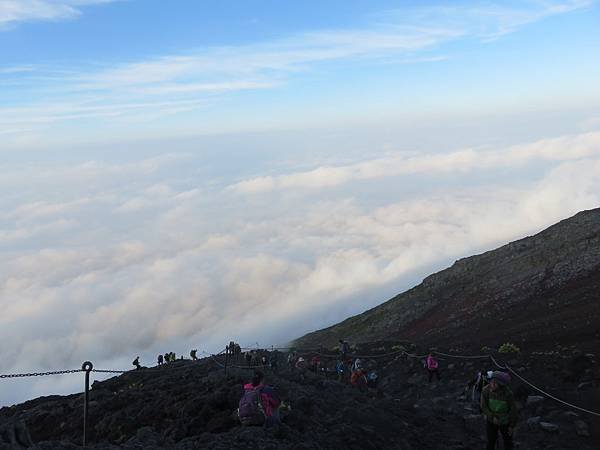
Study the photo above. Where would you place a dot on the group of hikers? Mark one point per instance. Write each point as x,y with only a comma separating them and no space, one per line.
261,404
490,391
166,358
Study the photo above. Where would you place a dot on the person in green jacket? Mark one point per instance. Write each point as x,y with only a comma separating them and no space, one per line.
499,408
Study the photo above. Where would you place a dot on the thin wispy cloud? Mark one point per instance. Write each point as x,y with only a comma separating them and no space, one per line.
13,12
164,84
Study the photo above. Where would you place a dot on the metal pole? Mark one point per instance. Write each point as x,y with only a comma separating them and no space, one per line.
87,367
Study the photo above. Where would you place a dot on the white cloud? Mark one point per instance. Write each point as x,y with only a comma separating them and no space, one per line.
557,149
13,12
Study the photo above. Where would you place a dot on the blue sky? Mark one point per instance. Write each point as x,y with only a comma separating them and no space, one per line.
175,165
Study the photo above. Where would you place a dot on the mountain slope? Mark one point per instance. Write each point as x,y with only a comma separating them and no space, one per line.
541,289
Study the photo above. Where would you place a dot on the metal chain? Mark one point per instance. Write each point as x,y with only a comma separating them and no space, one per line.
39,374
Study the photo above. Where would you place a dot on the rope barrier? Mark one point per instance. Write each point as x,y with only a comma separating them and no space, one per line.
463,356
39,374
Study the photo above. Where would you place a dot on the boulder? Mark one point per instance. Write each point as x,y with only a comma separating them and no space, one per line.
549,427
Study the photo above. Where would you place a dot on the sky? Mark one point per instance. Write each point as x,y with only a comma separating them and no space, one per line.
175,175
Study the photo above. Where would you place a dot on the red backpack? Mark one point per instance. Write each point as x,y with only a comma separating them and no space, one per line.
251,410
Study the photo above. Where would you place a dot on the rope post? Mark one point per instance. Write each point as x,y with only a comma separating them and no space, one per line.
87,368
226,359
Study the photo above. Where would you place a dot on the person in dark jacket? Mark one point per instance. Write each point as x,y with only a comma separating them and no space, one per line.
499,408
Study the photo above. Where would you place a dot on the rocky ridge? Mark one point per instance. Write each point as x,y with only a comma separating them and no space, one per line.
537,290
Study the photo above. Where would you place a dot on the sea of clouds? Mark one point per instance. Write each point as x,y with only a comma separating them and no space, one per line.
105,257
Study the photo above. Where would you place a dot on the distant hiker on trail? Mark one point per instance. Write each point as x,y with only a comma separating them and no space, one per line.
136,363
263,361
166,358
499,408
300,364
432,367
357,364
344,349
372,379
359,378
260,404
193,355
340,369
315,363
160,360
273,362
248,359
291,360
477,384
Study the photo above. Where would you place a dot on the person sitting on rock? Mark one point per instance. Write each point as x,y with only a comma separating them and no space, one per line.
500,410
260,403
193,355
136,363
432,366
160,360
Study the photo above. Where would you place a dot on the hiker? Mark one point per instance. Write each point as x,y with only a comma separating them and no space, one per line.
499,408
357,364
315,363
344,349
160,359
273,362
477,384
136,363
291,359
372,379
193,355
249,358
260,404
166,358
340,368
432,367
300,364
263,361
358,378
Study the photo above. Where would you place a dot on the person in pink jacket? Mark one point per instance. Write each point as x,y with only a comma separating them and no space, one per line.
259,400
432,366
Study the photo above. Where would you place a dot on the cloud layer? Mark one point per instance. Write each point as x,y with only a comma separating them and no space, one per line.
105,259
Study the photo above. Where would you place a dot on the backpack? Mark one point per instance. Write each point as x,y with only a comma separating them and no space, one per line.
251,410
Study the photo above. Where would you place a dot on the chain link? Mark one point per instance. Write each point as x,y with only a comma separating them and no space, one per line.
39,374
109,371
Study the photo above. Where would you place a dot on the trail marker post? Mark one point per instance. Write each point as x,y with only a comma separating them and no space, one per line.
87,368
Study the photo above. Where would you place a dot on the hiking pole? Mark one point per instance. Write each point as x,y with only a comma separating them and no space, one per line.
87,367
